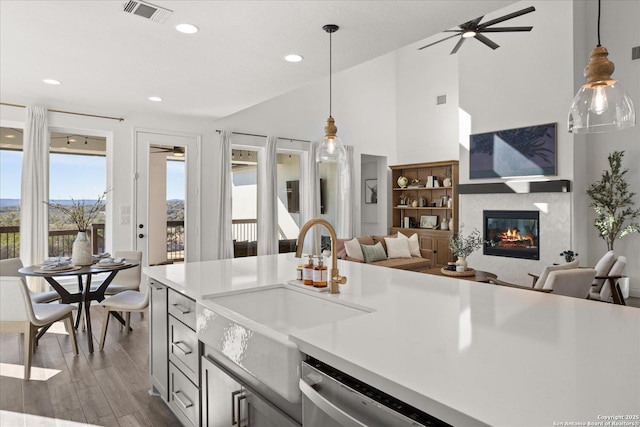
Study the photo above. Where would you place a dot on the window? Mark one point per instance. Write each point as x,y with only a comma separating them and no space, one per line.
78,171
10,181
244,172
288,183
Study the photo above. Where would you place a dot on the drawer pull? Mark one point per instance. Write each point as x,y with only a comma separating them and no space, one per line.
234,396
182,347
182,309
176,396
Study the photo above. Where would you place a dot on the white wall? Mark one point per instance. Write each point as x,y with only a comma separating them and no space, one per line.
619,32
364,107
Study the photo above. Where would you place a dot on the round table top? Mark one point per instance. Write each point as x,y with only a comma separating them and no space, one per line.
479,276
33,270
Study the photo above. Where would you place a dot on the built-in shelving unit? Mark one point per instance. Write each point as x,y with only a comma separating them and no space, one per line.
409,204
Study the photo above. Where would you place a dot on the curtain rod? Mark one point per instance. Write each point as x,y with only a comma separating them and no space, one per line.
264,136
120,119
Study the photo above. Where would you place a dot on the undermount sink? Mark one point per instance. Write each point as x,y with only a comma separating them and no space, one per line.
251,327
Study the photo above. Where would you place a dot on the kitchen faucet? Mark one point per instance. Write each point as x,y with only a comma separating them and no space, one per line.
336,279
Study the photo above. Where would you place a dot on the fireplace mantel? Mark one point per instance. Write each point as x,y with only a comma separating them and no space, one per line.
557,186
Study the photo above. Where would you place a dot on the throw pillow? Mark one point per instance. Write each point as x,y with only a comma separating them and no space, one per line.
398,247
373,253
414,244
353,249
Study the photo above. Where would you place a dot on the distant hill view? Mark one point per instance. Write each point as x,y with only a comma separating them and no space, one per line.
10,212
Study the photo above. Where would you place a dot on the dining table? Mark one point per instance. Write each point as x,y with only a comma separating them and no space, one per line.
85,293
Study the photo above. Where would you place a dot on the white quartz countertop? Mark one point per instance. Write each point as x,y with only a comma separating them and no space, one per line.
468,353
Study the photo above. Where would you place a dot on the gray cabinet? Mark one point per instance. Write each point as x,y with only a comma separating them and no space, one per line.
158,355
220,396
227,402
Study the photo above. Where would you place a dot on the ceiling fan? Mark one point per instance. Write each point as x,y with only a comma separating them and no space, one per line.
474,29
177,151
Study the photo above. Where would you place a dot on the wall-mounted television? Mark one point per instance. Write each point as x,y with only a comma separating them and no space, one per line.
527,151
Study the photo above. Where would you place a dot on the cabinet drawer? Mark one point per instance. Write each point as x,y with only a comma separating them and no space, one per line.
183,349
184,397
182,308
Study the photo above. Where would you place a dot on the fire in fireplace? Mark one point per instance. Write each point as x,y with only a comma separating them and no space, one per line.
512,234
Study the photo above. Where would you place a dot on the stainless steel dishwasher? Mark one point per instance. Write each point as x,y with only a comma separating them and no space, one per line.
331,398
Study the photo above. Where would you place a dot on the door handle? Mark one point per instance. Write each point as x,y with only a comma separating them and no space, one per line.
234,394
240,399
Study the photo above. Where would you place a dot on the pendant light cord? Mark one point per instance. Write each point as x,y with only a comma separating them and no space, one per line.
330,72
599,24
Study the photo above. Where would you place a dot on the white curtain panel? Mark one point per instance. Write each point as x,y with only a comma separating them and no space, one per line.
34,227
310,197
225,237
346,196
267,200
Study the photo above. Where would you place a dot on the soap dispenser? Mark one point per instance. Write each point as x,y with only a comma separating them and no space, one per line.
320,274
307,273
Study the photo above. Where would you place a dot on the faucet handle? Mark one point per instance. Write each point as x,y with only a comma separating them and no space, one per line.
341,280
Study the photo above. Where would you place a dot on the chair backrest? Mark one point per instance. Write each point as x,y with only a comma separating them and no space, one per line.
541,282
15,303
9,267
602,269
572,283
616,270
130,277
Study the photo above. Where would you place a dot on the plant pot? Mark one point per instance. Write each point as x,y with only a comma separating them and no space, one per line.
81,250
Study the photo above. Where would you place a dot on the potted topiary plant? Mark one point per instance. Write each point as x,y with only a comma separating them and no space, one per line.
613,202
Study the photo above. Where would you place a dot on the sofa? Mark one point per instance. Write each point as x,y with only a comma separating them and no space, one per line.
393,251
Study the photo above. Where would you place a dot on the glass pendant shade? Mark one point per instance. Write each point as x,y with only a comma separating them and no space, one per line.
601,104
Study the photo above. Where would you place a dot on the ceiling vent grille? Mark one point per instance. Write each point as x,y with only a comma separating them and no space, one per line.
146,10
635,53
441,99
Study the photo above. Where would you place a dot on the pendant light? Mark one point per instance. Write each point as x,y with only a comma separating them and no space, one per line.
602,104
331,149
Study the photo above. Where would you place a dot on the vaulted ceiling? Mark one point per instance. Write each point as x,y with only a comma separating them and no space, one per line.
110,61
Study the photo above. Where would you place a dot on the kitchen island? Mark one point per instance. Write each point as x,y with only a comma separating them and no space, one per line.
464,352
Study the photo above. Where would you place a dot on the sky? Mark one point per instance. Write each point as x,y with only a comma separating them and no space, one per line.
75,176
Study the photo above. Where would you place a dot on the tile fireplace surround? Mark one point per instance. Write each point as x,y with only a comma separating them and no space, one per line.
555,230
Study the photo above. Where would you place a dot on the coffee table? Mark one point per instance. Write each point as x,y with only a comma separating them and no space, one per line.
480,276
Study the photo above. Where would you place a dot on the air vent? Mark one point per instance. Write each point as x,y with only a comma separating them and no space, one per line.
635,52
442,99
146,10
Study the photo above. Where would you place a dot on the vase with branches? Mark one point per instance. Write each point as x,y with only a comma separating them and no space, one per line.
81,214
613,202
462,246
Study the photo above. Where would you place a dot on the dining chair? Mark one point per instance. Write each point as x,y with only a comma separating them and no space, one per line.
575,282
129,279
9,267
127,302
19,314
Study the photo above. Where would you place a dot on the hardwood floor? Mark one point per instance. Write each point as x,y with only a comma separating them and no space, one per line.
106,388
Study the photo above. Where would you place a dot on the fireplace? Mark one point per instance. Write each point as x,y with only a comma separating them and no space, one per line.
512,234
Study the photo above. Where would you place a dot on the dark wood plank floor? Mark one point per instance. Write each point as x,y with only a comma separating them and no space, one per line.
106,388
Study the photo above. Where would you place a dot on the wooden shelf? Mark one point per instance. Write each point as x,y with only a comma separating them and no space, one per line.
421,188
421,208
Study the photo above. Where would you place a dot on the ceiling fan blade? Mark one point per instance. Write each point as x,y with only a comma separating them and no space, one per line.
486,41
505,29
441,40
506,17
458,45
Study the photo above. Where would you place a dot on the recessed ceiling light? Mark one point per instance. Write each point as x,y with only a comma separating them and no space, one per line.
293,58
187,28
72,140
51,81
10,136
155,99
